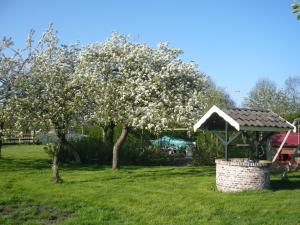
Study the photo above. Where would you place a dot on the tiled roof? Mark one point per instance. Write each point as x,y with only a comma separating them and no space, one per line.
243,119
256,118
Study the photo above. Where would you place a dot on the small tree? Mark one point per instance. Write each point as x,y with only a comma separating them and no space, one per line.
49,91
139,87
265,95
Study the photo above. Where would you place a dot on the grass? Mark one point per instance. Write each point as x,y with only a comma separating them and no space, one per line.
133,195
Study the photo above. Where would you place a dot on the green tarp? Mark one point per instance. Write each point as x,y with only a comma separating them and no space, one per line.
167,141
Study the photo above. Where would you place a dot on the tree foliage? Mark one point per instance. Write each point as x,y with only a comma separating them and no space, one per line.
141,87
218,96
49,93
13,64
115,83
266,95
292,90
296,9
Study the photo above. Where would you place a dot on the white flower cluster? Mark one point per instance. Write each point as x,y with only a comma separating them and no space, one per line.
13,65
117,81
142,87
49,93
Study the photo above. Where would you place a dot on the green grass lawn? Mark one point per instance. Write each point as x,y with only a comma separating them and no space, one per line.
133,195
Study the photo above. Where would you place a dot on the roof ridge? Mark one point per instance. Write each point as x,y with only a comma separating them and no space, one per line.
246,108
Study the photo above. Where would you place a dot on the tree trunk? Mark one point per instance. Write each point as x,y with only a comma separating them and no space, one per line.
55,173
55,161
108,135
118,146
1,133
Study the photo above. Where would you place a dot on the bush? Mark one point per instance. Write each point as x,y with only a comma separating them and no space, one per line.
153,156
208,149
89,147
64,156
137,149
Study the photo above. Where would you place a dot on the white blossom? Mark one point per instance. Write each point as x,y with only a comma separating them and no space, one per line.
142,87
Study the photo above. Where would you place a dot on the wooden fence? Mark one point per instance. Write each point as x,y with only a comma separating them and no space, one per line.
18,139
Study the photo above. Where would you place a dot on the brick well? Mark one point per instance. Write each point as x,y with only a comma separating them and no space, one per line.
237,175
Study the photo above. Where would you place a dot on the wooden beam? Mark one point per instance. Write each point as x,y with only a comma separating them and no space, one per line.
231,139
178,129
264,129
219,137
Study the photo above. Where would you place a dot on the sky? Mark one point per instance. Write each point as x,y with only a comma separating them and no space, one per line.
234,42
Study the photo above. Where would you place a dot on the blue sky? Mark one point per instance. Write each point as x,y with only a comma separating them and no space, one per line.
234,42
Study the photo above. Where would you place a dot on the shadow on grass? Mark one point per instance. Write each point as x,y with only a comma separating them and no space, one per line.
12,164
83,167
18,164
277,185
148,172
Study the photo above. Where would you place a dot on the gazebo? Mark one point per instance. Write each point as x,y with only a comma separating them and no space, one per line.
243,174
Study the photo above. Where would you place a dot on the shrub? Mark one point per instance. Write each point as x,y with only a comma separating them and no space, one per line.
137,150
152,155
208,149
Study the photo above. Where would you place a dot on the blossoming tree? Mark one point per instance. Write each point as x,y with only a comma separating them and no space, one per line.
140,87
49,91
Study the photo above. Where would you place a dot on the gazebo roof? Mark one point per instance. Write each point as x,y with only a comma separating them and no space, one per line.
243,119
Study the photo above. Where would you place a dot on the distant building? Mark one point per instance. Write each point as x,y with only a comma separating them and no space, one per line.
290,147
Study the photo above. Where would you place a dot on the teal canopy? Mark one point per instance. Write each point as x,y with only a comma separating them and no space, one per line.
167,141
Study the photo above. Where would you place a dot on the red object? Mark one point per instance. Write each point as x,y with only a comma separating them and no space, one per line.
291,142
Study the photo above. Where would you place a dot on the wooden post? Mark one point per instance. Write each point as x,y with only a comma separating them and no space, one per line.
256,145
226,141
269,150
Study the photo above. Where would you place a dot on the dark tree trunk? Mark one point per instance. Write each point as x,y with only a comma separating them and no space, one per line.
56,151
108,135
118,146
1,133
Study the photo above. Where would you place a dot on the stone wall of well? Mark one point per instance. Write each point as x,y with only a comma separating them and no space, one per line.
237,175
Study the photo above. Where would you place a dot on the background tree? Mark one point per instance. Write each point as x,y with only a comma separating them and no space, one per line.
292,90
265,95
150,88
218,96
49,92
